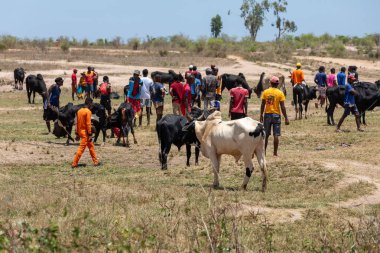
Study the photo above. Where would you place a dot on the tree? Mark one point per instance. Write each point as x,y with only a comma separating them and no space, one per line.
216,26
253,14
283,25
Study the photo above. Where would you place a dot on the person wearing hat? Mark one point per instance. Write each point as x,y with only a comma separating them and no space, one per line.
189,71
74,83
52,102
134,93
84,131
272,100
349,104
209,86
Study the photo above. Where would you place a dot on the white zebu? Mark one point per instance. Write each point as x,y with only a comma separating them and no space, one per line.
243,137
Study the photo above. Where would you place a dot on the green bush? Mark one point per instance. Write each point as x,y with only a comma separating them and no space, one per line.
134,43
336,48
65,46
216,47
3,47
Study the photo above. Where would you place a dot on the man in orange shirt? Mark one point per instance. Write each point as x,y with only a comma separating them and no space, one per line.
297,80
84,131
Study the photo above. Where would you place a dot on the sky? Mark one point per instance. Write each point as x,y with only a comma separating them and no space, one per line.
139,18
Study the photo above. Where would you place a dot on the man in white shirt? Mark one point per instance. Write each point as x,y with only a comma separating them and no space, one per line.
146,89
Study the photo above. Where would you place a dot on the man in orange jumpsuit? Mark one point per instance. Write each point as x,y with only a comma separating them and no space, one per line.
84,131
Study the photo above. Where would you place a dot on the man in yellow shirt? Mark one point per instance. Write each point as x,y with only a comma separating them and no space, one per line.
84,131
271,100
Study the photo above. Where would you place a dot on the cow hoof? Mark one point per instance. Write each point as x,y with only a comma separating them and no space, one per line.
244,187
196,164
135,142
216,186
103,144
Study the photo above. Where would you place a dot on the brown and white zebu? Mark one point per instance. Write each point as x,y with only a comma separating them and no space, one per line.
239,138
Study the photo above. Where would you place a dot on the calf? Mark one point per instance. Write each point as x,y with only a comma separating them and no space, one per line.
169,131
243,137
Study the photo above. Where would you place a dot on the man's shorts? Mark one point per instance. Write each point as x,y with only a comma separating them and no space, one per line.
158,104
106,102
350,109
89,88
145,102
322,91
272,119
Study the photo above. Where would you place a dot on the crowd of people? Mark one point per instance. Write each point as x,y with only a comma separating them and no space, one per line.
143,92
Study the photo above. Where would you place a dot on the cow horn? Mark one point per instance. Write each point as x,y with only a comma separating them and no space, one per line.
202,117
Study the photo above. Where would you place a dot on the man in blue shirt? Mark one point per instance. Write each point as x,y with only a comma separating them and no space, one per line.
349,104
51,104
341,77
321,80
195,92
158,94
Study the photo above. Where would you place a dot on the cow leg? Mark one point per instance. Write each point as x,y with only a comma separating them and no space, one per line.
363,116
34,95
306,106
104,131
260,154
48,125
248,169
300,111
29,93
188,154
165,149
133,133
96,134
215,159
196,155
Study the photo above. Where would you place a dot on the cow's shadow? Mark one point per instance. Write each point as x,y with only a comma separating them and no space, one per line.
210,186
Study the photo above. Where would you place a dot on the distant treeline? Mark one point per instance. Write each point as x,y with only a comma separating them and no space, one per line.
306,44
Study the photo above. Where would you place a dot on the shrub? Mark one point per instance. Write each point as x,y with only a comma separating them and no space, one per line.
336,48
216,47
134,43
3,47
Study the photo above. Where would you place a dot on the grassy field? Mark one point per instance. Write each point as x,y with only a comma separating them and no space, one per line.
130,205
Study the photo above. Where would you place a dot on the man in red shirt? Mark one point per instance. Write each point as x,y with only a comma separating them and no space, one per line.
74,83
238,102
186,95
176,91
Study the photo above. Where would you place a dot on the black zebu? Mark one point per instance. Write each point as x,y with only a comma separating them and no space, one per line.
167,77
19,76
169,131
35,84
367,99
66,116
230,81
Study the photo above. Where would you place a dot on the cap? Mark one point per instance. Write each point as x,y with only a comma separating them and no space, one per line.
75,70
136,72
352,77
274,79
298,64
190,66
